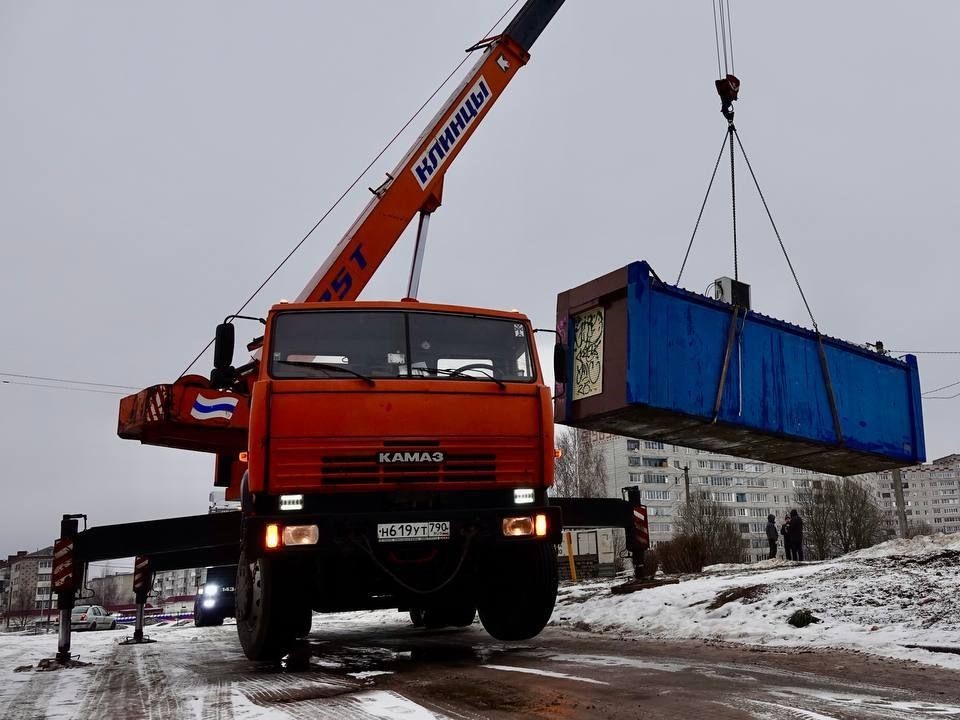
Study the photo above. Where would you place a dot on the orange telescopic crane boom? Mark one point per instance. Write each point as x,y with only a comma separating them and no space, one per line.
416,185
165,414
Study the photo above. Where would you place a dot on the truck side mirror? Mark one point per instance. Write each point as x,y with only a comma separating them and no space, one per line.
223,347
559,364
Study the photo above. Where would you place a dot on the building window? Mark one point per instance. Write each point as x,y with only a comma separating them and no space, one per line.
723,497
741,497
654,462
742,512
657,495
653,445
634,461
744,527
655,478
633,444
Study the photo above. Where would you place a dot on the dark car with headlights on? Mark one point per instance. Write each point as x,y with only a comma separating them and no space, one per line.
216,598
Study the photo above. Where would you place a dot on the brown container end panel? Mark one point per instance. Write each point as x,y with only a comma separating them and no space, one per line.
599,303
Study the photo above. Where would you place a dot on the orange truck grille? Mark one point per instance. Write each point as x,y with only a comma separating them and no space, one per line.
366,469
305,466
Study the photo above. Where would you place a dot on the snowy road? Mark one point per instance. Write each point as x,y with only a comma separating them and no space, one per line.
378,666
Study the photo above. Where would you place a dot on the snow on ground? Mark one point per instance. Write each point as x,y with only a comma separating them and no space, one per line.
167,670
878,600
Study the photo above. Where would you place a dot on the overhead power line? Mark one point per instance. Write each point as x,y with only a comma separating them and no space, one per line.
66,381
926,352
942,387
62,387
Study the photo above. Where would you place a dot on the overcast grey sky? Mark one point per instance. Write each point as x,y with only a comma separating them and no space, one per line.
157,159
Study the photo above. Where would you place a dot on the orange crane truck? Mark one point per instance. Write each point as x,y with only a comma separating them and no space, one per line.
385,454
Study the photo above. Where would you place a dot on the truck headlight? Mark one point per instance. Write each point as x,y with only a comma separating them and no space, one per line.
209,602
301,535
517,526
211,589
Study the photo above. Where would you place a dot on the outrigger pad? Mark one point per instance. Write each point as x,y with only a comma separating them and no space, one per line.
656,362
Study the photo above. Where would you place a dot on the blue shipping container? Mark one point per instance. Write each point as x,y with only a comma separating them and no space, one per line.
650,360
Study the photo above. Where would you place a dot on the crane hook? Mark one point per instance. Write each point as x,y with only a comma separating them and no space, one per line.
727,88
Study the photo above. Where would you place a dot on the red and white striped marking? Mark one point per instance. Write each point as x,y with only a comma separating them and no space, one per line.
141,573
640,524
62,575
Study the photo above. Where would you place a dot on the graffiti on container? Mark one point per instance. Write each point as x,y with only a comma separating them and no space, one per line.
588,354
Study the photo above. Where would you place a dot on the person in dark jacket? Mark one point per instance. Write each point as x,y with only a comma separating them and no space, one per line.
784,529
795,535
772,536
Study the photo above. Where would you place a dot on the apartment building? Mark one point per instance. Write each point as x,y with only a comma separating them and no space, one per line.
4,583
931,495
178,583
749,489
28,586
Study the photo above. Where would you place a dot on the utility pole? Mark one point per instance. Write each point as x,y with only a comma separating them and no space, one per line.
898,495
686,483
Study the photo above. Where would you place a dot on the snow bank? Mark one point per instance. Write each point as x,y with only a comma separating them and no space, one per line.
879,600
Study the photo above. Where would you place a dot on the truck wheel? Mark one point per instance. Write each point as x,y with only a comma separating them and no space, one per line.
269,608
462,616
519,590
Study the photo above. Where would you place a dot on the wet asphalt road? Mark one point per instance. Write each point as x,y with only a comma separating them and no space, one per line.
360,670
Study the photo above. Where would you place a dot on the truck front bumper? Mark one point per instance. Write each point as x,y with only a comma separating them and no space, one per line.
485,525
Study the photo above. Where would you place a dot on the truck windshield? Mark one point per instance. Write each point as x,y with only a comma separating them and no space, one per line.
395,344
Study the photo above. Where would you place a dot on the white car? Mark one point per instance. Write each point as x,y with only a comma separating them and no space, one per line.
91,617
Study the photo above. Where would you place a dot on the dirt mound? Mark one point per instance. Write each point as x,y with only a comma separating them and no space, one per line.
747,594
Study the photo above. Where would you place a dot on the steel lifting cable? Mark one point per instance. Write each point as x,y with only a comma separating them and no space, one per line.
733,68
821,351
776,232
733,201
359,177
716,35
703,205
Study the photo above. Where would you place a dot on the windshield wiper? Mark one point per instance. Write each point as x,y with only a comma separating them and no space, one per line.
455,374
328,367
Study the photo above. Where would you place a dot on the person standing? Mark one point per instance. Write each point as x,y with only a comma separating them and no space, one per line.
784,529
772,534
795,535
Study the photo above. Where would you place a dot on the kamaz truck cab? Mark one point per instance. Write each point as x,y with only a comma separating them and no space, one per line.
399,456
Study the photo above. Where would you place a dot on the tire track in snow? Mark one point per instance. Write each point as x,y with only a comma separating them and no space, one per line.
131,683
24,705
217,704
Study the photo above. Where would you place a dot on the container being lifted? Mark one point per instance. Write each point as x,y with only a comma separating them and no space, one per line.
649,360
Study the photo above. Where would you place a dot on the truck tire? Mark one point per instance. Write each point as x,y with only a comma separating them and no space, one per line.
462,616
270,608
519,589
